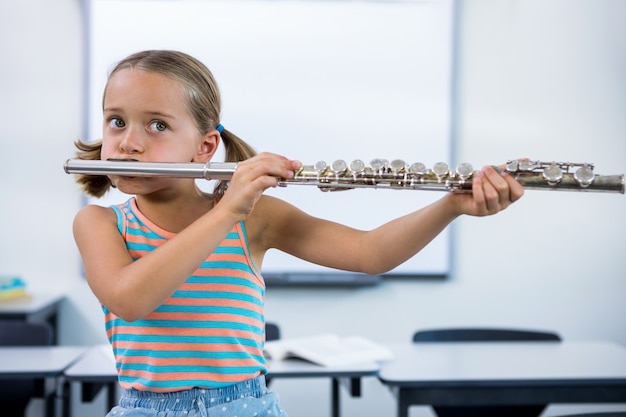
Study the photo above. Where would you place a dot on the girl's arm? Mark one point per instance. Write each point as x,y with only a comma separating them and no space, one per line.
132,289
384,248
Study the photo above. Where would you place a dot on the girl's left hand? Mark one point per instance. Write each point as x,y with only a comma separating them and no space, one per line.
492,192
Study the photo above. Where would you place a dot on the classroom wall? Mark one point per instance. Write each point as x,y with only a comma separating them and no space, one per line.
534,79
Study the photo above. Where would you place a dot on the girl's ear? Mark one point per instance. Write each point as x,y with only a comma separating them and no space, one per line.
208,147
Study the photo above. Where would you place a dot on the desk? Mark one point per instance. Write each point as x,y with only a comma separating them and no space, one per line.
96,369
93,371
38,363
35,308
499,373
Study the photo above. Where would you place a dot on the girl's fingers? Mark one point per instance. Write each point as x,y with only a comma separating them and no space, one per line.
268,164
494,190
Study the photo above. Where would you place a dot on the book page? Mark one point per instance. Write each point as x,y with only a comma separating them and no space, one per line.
329,350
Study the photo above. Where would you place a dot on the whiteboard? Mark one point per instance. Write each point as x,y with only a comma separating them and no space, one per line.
312,80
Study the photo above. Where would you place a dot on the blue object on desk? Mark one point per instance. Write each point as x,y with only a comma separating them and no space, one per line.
11,287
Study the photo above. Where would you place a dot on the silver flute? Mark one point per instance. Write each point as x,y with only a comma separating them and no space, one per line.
379,173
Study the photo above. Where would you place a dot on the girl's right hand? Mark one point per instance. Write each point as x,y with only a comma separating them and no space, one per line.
251,178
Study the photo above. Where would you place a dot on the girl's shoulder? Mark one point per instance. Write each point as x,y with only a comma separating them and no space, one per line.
269,206
93,213
272,217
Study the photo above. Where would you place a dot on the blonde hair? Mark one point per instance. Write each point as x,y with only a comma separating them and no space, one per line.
204,105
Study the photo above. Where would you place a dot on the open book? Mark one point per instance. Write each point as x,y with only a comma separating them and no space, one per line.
328,350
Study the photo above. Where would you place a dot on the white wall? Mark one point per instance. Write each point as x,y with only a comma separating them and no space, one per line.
535,78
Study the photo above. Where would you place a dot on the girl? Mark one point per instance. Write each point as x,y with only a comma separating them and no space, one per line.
177,270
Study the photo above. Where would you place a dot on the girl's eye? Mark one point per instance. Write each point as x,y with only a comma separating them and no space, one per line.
158,126
116,123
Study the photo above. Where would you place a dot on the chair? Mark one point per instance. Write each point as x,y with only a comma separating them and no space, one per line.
16,394
485,335
272,332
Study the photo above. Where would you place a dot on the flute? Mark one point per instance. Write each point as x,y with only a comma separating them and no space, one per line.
380,173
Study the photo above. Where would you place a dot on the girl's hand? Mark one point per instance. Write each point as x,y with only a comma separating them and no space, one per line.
252,177
492,191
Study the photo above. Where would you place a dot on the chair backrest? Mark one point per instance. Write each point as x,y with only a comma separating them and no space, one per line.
482,335
21,333
598,414
272,331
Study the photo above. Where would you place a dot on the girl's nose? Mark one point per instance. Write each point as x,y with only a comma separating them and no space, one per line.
131,143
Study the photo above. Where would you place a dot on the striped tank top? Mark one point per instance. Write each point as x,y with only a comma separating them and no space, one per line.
208,334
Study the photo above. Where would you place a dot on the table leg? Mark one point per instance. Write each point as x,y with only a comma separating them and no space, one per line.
335,398
66,400
403,404
111,395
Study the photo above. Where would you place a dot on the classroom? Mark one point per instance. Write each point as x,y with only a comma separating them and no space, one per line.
519,79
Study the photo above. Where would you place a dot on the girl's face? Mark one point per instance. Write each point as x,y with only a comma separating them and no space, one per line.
147,118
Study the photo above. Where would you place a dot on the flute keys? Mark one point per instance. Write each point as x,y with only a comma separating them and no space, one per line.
397,165
398,173
320,166
584,175
378,164
553,174
339,166
441,169
520,165
512,166
464,170
357,166
417,168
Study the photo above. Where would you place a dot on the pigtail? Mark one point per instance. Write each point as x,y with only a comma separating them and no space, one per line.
93,185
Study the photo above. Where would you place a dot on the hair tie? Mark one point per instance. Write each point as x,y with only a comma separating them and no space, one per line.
219,128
